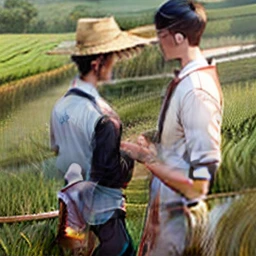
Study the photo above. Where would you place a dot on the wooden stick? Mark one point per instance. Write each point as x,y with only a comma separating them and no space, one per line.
29,217
55,214
230,194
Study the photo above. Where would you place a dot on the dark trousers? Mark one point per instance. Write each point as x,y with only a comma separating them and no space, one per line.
113,237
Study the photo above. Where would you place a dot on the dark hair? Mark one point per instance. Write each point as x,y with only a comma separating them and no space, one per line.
84,62
182,16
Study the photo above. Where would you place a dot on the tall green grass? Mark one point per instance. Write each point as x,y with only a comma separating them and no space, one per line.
30,239
15,93
25,130
28,191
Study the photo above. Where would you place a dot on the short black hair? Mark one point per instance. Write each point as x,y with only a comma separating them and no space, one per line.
83,63
183,16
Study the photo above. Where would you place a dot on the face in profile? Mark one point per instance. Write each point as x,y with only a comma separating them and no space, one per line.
106,69
167,44
173,45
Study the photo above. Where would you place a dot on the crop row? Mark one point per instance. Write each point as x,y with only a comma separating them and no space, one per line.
25,55
27,60
15,93
231,12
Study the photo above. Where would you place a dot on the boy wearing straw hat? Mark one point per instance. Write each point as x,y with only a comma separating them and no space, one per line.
86,133
187,152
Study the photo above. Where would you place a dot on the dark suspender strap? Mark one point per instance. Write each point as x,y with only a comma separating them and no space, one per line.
165,105
75,91
171,88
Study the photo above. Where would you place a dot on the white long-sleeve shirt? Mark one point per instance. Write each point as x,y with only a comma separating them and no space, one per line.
191,136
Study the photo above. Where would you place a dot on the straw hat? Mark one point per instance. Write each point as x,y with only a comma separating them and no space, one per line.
100,35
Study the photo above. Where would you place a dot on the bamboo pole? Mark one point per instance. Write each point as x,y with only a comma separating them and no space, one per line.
29,217
55,214
230,194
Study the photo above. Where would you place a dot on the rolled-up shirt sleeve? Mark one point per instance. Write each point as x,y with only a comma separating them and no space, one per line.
201,117
110,166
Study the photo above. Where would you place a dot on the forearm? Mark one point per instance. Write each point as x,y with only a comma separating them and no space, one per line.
190,188
202,129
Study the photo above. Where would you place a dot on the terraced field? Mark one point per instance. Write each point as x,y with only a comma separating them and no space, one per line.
31,82
28,56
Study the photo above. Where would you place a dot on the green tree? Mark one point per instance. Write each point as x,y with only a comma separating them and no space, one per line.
16,16
11,4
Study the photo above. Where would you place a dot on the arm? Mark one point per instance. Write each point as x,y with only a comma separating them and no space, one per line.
201,120
173,179
177,181
110,166
200,117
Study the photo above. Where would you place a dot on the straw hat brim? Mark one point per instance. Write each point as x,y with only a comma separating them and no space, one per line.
122,42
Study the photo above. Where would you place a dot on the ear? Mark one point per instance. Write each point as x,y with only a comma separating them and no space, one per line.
95,65
179,38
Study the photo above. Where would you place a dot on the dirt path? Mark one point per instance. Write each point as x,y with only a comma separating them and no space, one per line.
220,51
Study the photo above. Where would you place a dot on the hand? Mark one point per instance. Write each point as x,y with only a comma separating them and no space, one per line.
144,142
137,152
151,136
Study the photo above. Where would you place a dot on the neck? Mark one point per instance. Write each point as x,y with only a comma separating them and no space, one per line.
190,54
90,78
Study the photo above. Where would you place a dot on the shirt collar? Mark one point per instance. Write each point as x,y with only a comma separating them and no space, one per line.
191,66
85,87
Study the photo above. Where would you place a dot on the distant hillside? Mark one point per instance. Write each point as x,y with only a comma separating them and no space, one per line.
57,9
214,4
60,16
127,5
